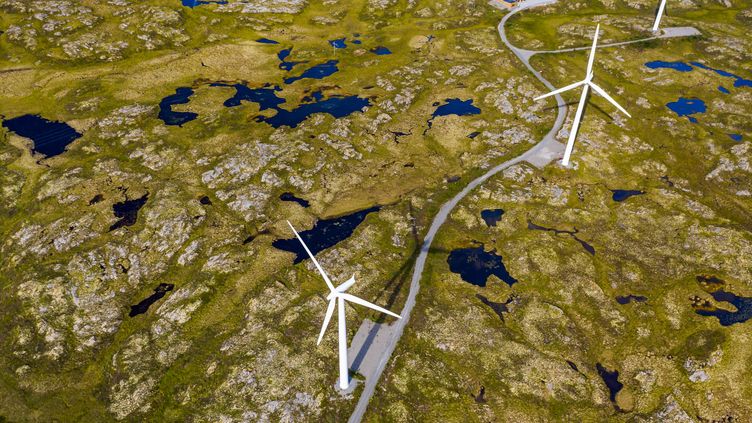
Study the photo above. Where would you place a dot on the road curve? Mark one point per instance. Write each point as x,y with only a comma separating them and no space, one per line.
540,150
539,155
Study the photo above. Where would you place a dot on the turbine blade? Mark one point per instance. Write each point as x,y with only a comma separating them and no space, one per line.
575,127
315,262
560,90
591,59
344,376
603,93
345,286
327,318
365,303
659,15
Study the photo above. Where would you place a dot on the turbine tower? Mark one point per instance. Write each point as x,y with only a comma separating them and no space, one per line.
661,8
337,296
587,83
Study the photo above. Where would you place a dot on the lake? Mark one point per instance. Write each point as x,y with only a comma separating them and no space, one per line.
50,138
319,71
743,307
169,117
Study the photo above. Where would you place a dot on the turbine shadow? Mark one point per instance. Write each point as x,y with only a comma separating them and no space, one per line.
566,104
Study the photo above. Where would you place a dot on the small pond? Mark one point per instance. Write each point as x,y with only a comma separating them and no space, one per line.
381,51
454,106
325,234
288,196
475,265
626,299
144,305
611,379
688,107
620,195
127,211
491,216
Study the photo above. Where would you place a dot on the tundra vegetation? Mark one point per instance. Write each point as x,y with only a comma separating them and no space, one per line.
138,274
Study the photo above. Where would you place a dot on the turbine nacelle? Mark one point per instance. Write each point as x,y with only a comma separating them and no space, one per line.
587,84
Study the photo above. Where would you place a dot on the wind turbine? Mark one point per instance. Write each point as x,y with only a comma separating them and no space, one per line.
661,8
338,295
587,83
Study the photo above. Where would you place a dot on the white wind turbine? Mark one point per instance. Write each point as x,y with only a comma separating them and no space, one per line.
587,83
661,8
339,296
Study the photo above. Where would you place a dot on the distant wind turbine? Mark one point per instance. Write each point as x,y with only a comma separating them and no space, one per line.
339,296
587,83
661,8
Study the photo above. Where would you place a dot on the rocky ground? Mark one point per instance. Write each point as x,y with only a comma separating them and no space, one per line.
234,338
603,286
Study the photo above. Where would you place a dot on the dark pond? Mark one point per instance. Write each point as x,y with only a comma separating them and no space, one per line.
454,106
725,317
475,265
144,305
357,42
620,195
589,248
739,81
498,308
611,379
182,96
679,66
319,71
338,43
626,299
735,137
491,216
687,107
381,51
205,200
283,63
336,106
723,89
265,97
127,211
194,3
250,238
96,199
288,196
481,397
50,137
325,234
266,41
472,135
